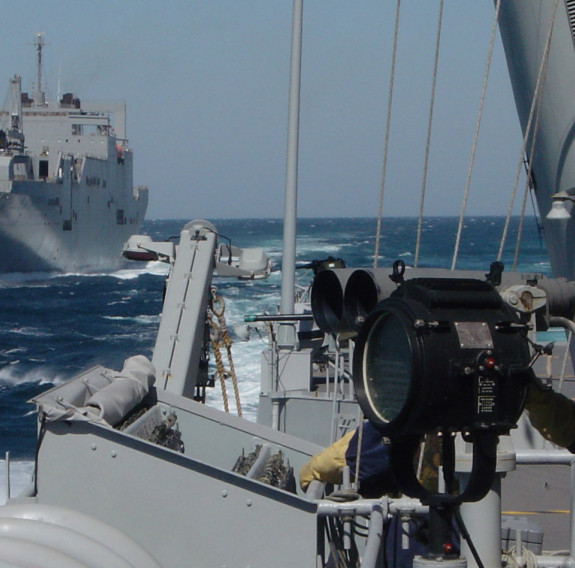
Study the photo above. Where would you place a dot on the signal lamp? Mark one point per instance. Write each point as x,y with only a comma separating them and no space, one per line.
442,355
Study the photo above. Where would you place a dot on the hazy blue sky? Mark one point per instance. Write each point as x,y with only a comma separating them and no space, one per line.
206,85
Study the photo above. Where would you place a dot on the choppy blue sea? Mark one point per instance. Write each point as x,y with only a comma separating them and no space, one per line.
54,326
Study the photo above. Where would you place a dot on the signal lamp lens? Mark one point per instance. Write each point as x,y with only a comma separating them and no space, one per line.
387,367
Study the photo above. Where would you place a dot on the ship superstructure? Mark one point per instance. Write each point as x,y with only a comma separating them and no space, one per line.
67,200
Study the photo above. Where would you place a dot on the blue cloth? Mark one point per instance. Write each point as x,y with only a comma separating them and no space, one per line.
374,467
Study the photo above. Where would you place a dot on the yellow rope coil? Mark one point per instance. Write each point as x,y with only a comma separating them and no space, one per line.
220,339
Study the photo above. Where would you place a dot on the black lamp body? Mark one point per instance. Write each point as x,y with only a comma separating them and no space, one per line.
444,355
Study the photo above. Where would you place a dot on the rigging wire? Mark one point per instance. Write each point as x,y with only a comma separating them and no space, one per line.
359,448
386,142
527,188
520,226
535,106
476,135
536,217
428,141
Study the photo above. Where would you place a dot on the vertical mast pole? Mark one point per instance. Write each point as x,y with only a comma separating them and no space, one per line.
287,335
39,98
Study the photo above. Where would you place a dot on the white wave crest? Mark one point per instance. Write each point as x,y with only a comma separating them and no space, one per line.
13,375
145,319
30,332
39,279
17,278
155,268
21,472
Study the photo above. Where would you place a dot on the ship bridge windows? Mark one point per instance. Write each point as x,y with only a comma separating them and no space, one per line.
95,181
90,129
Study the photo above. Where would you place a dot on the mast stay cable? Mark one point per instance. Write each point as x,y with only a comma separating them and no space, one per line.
529,169
386,142
428,140
476,135
534,110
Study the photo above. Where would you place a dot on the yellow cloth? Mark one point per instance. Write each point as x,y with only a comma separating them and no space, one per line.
327,466
552,414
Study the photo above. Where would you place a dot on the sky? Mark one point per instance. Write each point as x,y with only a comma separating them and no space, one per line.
206,87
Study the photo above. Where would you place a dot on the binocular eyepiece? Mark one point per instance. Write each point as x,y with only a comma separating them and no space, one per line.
342,298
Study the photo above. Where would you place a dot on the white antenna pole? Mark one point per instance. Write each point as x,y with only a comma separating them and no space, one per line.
286,334
39,43
59,82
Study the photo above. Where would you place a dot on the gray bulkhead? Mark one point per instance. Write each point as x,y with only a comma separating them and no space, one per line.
181,506
524,26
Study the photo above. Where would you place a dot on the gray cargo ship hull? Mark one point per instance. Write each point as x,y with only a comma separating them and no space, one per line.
67,201
68,226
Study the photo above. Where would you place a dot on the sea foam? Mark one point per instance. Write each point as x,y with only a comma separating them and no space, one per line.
21,477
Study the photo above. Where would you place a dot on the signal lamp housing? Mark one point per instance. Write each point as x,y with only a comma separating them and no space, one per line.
443,355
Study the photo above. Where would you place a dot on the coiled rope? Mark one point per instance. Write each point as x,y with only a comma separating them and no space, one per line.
428,140
524,558
219,338
476,135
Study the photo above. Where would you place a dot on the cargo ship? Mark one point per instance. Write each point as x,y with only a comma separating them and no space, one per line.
67,201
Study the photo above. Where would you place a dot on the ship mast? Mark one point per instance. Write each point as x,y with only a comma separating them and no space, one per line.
39,97
287,332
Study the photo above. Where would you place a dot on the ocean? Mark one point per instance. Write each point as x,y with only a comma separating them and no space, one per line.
53,326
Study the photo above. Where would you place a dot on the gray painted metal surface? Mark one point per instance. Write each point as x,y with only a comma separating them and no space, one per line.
181,333
186,504
182,508
121,478
524,26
